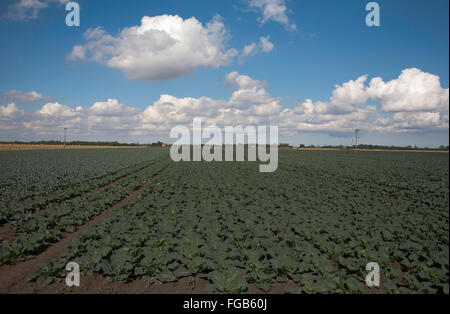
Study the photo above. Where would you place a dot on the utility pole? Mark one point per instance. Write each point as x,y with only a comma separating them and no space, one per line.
65,137
356,139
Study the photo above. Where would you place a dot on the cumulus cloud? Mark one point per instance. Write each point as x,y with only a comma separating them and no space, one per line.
56,109
28,9
250,93
236,81
8,111
160,48
414,102
112,115
170,110
273,10
243,98
344,102
10,117
250,103
24,97
417,120
111,107
100,118
346,97
315,117
413,90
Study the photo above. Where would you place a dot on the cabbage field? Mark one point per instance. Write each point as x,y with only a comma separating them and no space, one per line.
310,227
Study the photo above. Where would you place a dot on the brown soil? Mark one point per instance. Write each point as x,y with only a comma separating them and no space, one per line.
96,284
13,277
7,233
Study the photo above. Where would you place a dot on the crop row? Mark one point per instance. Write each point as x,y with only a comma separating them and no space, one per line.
39,232
310,222
18,211
29,173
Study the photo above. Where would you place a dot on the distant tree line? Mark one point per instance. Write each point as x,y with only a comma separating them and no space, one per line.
364,146
158,144
383,147
75,143
161,144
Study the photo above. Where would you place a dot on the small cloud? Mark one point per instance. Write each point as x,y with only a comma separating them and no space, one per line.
32,96
23,10
273,10
249,50
264,45
237,81
78,53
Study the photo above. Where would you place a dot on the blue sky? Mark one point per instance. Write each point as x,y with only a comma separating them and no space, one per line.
330,45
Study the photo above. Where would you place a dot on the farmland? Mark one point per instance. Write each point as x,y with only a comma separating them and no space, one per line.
134,217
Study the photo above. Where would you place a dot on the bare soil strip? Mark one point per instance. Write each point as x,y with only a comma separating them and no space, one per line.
96,284
13,277
9,234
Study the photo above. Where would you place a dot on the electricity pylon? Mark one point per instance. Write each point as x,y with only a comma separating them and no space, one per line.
65,137
356,139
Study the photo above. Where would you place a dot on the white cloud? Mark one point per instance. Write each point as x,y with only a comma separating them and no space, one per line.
170,110
250,50
236,81
249,92
24,97
244,98
315,117
52,117
8,111
78,53
56,109
9,117
345,100
250,103
100,118
111,107
264,45
351,94
273,10
160,48
414,102
111,115
116,124
410,122
413,90
28,9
